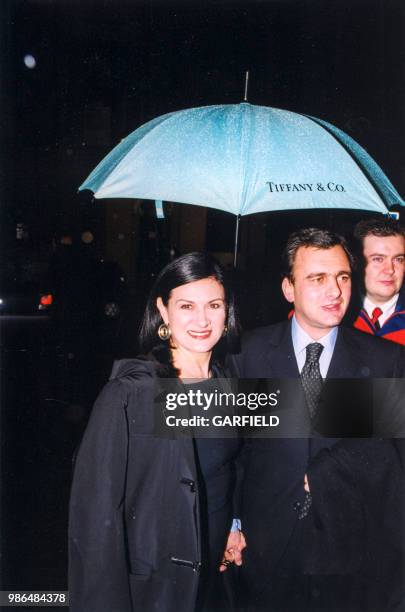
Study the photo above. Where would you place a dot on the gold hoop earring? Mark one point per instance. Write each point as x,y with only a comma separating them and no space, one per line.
164,332
225,331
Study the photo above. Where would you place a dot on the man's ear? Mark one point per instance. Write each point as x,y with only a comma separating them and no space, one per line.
288,289
162,309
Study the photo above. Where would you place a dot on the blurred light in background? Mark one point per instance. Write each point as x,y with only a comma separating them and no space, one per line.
29,61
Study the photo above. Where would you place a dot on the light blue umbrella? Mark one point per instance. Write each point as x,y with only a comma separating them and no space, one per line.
243,159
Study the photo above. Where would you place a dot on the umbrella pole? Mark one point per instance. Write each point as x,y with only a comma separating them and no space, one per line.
235,255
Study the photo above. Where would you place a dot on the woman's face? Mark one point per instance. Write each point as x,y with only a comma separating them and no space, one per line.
196,314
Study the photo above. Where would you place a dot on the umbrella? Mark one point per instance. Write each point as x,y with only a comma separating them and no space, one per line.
243,159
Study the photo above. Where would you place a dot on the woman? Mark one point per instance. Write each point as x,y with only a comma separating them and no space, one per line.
149,515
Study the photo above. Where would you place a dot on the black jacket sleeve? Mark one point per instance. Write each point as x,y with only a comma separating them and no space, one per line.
98,571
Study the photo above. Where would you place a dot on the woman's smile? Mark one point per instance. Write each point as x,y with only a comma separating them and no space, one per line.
200,335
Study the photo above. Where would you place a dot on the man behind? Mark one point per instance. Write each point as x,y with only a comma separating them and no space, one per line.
322,516
382,242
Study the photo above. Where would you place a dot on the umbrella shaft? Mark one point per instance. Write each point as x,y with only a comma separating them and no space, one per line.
235,255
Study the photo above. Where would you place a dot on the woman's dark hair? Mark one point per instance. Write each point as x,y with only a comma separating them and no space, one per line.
181,271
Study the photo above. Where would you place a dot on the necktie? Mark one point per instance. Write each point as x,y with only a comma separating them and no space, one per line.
311,377
377,312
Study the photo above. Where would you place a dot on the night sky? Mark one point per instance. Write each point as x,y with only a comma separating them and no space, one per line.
103,67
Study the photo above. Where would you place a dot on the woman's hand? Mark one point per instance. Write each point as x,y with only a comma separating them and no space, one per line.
233,550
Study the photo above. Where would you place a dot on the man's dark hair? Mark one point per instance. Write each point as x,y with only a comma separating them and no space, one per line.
311,237
381,226
181,271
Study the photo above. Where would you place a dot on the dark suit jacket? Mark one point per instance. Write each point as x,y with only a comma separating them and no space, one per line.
355,523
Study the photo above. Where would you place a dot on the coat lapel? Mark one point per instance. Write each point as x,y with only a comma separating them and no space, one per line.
346,360
281,361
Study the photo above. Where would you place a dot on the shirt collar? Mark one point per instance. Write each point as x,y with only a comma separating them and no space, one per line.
369,306
301,339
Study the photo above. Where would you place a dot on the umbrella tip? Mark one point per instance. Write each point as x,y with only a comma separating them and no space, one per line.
245,97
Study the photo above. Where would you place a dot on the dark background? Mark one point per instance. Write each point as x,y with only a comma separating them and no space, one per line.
102,69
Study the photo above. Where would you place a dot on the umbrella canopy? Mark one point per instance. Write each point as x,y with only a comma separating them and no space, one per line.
243,159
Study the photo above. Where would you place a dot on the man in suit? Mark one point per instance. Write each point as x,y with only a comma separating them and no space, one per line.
322,516
382,244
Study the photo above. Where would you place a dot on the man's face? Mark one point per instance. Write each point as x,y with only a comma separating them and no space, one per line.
320,289
385,266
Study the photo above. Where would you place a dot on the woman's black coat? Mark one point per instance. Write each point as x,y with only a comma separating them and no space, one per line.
134,533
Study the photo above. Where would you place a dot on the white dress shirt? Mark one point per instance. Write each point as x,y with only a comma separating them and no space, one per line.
387,309
301,339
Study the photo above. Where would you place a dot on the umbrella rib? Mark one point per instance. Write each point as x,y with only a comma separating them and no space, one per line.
244,153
